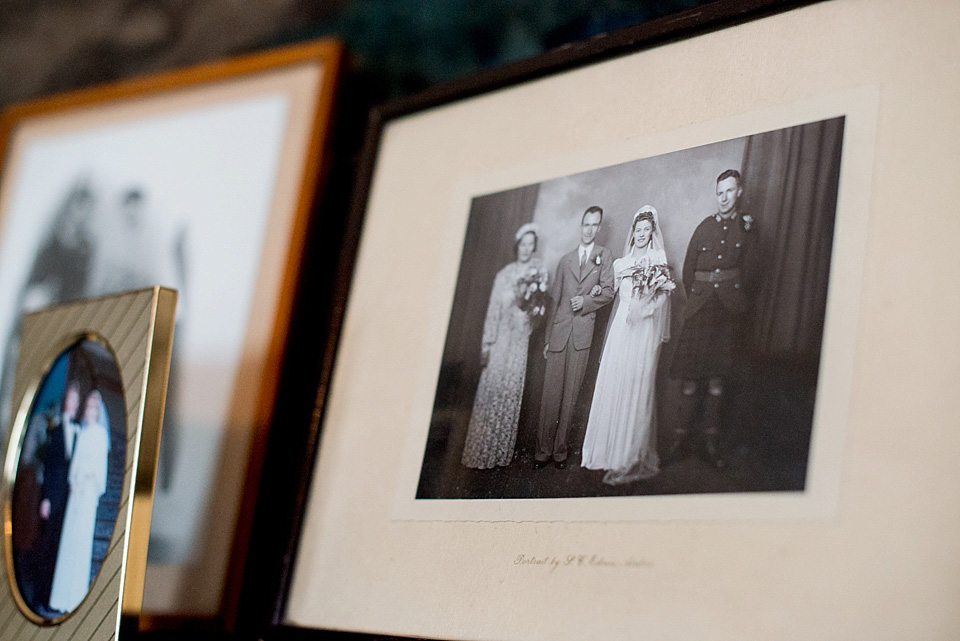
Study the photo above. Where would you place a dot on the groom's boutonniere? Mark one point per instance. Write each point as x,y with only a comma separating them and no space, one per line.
596,260
747,221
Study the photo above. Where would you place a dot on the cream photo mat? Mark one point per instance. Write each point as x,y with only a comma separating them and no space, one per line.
870,551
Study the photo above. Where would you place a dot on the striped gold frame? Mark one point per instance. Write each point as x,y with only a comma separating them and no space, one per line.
138,328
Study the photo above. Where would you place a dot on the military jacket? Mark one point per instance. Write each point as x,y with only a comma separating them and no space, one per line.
721,262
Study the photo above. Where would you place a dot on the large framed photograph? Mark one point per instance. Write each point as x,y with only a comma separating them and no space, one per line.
202,180
80,465
634,339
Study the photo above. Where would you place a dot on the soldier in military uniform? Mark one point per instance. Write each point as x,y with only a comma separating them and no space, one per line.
718,279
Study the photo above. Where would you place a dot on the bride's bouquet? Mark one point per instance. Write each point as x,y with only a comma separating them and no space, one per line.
649,283
531,291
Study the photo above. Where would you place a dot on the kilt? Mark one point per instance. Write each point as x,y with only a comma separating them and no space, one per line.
710,345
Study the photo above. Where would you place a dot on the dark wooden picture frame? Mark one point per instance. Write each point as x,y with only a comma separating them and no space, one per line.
866,550
285,489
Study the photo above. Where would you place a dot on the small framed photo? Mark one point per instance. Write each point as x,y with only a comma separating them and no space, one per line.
203,180
653,336
80,464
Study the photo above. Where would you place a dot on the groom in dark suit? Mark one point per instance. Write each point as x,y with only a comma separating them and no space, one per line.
61,436
582,284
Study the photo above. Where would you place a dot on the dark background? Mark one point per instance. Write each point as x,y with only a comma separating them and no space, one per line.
398,46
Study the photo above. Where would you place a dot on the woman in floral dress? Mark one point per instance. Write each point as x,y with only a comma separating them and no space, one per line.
515,302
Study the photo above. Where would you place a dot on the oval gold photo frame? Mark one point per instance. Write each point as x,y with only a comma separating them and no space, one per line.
11,468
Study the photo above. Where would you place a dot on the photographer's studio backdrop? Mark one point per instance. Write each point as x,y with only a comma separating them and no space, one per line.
81,190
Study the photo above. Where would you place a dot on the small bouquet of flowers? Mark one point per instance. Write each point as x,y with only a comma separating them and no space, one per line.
531,291
649,282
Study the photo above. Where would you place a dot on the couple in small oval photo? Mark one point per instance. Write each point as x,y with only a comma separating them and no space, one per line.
66,497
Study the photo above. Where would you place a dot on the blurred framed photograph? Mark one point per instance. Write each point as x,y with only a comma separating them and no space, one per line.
202,180
80,464
633,338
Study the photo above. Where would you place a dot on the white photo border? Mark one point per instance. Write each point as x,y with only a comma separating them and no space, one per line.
859,108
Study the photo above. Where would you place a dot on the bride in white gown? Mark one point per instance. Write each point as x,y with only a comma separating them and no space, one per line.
621,431
88,482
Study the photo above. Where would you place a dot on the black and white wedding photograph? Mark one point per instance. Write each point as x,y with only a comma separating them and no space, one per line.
652,327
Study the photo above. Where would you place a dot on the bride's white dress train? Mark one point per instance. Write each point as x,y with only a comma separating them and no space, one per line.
621,430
